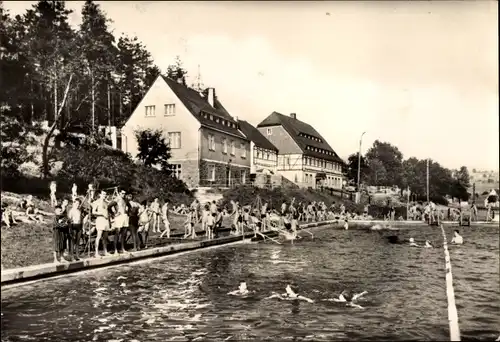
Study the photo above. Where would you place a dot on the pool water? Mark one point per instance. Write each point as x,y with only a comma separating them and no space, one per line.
185,297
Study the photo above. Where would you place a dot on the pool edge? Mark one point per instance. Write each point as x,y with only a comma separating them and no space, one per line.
46,271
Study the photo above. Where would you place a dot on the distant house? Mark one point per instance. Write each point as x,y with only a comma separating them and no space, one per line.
304,156
263,154
207,147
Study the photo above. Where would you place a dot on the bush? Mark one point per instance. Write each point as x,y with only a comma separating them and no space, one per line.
106,168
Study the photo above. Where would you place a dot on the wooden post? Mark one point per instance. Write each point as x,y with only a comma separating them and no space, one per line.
407,203
427,180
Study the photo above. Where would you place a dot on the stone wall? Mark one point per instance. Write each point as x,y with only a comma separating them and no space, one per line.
189,171
221,174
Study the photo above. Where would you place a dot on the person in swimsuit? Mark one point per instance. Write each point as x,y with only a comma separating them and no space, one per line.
101,212
75,219
74,192
210,223
53,190
413,243
60,231
166,222
155,211
134,221
290,295
457,238
345,297
241,291
121,222
144,223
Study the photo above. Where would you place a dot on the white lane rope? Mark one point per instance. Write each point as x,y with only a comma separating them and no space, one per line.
450,293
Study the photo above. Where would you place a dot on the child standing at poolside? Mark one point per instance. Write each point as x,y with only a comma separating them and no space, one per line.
155,210
166,222
75,219
59,234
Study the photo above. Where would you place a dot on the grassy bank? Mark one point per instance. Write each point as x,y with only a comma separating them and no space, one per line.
275,197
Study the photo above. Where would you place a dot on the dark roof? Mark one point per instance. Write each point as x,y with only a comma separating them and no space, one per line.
198,105
297,129
253,134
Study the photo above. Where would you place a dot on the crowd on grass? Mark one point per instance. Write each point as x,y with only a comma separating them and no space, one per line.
87,222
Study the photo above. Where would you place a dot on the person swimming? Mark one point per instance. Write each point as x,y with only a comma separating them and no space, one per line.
241,291
413,243
457,239
428,244
290,295
345,297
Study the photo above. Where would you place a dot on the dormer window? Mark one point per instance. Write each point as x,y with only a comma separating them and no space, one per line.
211,117
217,120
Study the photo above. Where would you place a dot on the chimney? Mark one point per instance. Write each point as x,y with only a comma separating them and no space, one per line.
293,115
211,96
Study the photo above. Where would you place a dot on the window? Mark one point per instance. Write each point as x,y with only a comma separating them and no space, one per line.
211,142
287,161
150,111
170,109
269,131
243,177
267,155
174,139
211,173
243,151
233,148
224,145
176,170
258,154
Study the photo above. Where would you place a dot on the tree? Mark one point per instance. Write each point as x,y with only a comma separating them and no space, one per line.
462,176
378,173
153,148
176,71
134,73
391,159
53,54
352,168
99,60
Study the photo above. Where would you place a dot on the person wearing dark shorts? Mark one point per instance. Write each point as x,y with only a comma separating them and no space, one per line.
60,232
134,222
75,219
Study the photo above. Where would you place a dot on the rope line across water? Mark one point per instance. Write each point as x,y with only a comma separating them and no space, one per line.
450,293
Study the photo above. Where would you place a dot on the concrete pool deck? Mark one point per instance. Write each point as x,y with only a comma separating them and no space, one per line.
43,271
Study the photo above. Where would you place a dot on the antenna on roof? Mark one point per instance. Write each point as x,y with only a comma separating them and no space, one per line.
198,83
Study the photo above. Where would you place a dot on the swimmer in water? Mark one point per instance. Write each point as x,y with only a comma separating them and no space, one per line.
241,291
290,295
457,239
345,297
428,244
413,243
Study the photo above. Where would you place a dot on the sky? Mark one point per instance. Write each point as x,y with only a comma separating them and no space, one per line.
420,75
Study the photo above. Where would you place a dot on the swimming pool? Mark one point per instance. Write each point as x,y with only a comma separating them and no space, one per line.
185,297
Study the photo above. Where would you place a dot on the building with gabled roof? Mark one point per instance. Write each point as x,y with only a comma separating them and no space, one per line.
263,154
304,157
206,145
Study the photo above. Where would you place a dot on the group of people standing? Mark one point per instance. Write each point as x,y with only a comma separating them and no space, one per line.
117,214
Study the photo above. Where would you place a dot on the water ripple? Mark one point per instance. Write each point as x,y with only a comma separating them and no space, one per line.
185,297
